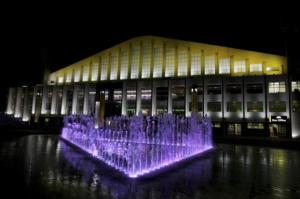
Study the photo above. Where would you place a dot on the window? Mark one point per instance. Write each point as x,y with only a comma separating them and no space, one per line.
182,62
117,95
254,88
135,58
272,69
196,63
146,101
255,68
95,71
255,106
104,66
239,66
224,66
157,61
113,67
146,60
131,100
277,106
161,100
234,106
277,87
213,106
296,106
170,62
255,126
199,106
233,88
124,64
214,89
178,98
210,66
85,74
296,86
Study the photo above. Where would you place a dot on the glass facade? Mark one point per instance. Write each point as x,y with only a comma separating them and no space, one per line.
161,100
196,63
277,87
240,66
131,101
224,66
210,65
178,98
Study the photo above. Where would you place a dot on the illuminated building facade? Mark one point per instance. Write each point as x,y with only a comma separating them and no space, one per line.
244,92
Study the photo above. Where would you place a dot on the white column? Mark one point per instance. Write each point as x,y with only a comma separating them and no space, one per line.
26,114
54,101
86,100
34,100
75,99
138,97
169,96
18,113
44,99
10,101
64,101
124,99
187,98
153,98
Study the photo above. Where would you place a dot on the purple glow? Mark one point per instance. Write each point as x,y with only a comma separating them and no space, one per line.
139,145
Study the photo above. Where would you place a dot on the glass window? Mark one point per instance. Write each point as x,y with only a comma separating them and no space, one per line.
234,106
255,106
234,89
146,60
124,64
254,88
199,106
213,106
210,65
277,106
255,68
255,126
277,87
296,105
146,101
95,71
182,62
170,61
178,99
214,89
117,95
113,67
131,101
104,66
224,66
135,59
296,86
161,100
240,66
85,73
157,61
196,63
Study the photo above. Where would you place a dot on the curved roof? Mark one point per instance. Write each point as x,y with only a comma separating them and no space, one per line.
156,57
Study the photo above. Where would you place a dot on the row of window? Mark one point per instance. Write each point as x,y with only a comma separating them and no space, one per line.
140,63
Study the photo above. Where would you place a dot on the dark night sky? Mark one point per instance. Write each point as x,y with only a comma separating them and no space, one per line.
24,61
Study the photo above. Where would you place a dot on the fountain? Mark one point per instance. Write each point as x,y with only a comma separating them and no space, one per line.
139,145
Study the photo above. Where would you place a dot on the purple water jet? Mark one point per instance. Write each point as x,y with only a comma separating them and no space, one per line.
139,145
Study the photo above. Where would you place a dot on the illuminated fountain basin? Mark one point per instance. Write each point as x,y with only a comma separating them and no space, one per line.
139,145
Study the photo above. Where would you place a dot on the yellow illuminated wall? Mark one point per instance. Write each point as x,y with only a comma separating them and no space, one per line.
155,57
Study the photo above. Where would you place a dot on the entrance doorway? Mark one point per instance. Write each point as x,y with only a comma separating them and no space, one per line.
277,130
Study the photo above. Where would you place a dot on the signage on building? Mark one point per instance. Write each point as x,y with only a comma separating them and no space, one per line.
278,118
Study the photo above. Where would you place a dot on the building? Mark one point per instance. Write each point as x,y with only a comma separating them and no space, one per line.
244,92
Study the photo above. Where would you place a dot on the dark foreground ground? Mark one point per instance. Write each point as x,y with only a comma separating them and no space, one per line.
42,166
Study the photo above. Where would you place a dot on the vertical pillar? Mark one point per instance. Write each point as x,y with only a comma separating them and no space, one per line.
18,103
124,99
153,98
217,63
187,98
64,101
169,96
138,97
34,100
75,100
54,101
86,100
10,101
26,114
44,99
